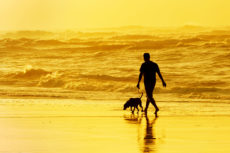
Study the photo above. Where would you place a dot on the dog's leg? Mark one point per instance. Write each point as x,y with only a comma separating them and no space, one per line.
133,109
141,107
137,108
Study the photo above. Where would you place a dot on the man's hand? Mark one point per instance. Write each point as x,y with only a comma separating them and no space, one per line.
164,84
138,86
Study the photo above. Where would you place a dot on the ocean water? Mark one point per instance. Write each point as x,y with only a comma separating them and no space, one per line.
103,64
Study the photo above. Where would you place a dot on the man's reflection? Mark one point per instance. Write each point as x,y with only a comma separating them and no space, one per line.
146,131
149,138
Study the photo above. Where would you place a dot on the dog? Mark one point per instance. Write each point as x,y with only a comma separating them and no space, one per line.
133,104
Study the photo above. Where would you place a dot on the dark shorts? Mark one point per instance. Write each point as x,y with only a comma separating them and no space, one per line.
149,87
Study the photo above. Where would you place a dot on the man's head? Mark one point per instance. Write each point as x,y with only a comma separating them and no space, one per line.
146,57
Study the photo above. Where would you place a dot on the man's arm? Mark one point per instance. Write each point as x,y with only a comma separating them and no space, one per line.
139,80
159,74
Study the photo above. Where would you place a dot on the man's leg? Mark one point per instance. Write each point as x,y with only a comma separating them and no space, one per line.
154,104
151,99
147,104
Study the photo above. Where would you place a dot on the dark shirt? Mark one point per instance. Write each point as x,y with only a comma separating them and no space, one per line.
149,69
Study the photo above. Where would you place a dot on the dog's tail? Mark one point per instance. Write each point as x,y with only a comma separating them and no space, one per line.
141,95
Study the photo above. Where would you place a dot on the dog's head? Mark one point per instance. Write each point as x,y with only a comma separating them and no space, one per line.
127,104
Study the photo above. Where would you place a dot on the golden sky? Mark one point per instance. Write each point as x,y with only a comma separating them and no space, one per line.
73,14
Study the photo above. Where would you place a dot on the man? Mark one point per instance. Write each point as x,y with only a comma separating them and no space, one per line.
149,70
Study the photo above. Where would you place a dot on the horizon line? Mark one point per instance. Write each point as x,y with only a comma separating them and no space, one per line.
117,27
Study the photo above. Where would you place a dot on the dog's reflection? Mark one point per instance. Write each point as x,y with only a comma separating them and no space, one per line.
146,131
134,118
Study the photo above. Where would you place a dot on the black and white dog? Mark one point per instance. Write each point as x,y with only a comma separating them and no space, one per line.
133,104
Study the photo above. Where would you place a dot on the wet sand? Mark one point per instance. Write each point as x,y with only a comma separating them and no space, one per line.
71,126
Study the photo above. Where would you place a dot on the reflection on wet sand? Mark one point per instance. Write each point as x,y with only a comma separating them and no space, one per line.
146,131
150,138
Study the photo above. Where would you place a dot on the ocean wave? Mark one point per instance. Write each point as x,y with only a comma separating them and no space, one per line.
110,78
28,34
197,90
35,77
209,83
119,41
215,96
50,42
93,86
127,88
28,73
133,37
149,44
51,80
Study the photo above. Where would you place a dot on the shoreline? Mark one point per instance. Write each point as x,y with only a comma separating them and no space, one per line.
67,107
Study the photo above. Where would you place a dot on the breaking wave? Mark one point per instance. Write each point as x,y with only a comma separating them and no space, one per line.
29,73
51,80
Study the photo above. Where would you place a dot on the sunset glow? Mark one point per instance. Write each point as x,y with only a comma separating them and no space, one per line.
73,14
114,76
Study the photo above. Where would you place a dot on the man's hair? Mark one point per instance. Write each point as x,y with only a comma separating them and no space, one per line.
146,56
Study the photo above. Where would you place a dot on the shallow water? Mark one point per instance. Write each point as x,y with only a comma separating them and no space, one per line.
57,126
73,107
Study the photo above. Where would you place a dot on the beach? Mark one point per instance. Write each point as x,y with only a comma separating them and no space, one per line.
57,126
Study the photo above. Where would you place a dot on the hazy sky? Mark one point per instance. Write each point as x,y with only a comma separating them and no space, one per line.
72,14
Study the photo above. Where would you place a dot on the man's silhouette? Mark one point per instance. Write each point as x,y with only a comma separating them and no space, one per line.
149,70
